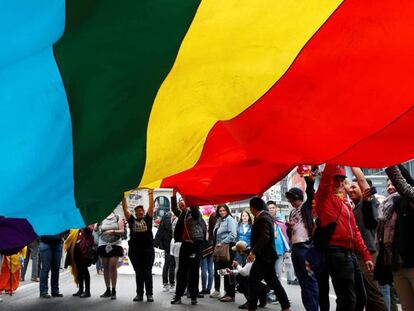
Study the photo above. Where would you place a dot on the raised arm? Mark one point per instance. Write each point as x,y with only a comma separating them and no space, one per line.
360,177
125,208
150,211
325,187
399,182
174,205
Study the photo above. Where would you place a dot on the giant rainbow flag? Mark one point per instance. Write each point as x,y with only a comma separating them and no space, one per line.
217,98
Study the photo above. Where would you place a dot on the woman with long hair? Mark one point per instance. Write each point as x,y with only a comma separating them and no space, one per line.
244,231
225,235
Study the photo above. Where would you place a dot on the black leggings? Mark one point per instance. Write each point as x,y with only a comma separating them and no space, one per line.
188,269
84,277
168,270
142,262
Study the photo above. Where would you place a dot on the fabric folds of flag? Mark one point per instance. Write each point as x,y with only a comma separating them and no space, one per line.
219,99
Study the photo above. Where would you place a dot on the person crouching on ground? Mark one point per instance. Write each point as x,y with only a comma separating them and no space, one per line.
242,276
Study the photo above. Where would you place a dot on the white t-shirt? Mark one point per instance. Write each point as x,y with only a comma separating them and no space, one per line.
299,232
245,228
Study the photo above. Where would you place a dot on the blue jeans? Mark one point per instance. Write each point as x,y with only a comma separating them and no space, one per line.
279,266
307,279
207,268
240,259
33,253
50,256
386,292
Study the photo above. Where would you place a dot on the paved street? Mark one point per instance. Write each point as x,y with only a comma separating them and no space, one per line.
27,297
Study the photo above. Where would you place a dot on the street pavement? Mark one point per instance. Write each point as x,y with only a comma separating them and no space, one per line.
27,297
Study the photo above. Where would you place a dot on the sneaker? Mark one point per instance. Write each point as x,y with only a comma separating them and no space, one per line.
35,279
166,288
150,298
193,301
113,294
138,298
205,292
227,299
176,301
57,295
107,294
172,288
45,295
200,295
215,294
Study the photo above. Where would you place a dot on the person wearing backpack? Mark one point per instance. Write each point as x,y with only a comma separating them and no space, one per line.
163,241
191,231
80,254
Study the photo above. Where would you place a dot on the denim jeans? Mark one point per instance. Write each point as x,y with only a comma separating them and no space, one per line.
385,290
207,272
50,256
32,253
289,269
347,279
307,279
279,266
240,259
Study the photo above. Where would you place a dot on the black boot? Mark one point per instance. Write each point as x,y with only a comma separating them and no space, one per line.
176,300
113,294
80,290
107,293
78,293
86,294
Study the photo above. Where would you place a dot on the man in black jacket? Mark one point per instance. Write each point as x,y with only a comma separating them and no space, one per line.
263,255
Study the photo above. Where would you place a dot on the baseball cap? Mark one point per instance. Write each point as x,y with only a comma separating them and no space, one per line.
295,192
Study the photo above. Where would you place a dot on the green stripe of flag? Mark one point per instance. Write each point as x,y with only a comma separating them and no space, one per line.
113,57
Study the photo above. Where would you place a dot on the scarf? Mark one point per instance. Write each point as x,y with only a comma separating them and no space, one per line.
69,247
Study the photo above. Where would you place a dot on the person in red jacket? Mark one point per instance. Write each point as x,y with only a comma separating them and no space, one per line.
346,240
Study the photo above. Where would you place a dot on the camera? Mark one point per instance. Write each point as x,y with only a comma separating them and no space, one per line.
223,272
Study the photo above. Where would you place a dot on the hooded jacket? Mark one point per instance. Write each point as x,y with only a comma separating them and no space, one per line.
330,206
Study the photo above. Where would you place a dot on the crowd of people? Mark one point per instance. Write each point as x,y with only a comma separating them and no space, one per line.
341,232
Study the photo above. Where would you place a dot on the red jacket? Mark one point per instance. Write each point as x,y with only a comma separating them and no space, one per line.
328,207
